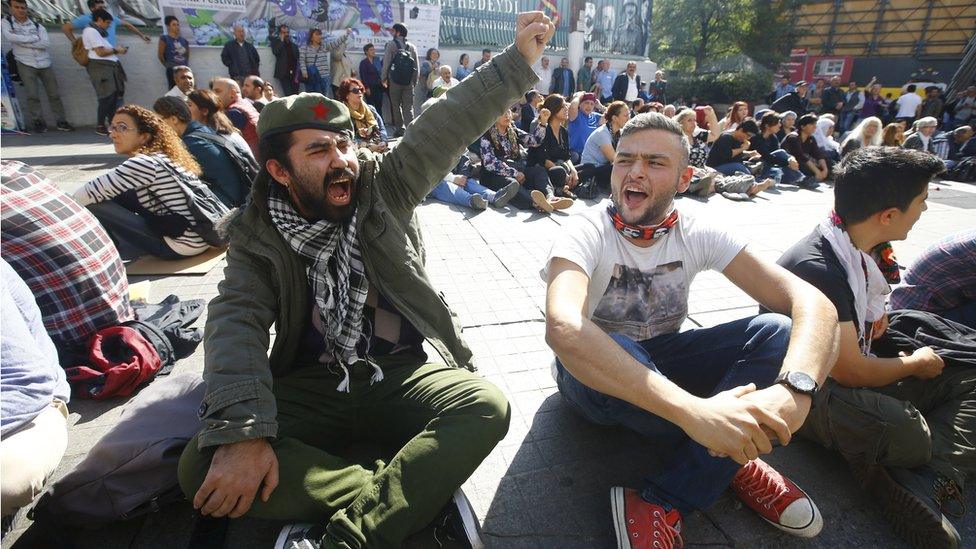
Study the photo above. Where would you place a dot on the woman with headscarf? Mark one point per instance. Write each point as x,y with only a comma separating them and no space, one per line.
787,121
370,130
143,203
824,135
866,134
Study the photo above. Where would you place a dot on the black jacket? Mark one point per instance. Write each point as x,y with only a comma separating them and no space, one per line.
240,59
619,89
284,67
557,80
790,102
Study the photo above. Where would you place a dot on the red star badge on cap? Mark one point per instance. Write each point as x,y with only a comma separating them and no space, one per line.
321,110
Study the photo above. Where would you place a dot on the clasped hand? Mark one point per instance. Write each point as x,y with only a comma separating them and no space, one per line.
742,423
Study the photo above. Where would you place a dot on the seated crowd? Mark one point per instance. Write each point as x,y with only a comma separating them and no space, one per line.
316,206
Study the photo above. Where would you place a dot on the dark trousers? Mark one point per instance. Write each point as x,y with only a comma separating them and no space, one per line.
106,108
375,98
599,174
536,179
288,86
170,81
130,231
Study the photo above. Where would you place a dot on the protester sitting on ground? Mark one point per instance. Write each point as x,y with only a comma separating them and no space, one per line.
699,139
730,151
777,164
866,134
240,111
583,120
530,110
949,145
554,153
905,409
893,135
34,394
942,280
618,281
64,255
793,101
669,111
253,91
801,145
824,136
269,92
141,204
787,122
921,139
183,76
600,148
736,114
205,108
303,224
212,152
370,132
460,189
504,159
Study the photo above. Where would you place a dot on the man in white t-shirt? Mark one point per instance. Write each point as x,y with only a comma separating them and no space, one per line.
104,68
618,283
545,77
908,104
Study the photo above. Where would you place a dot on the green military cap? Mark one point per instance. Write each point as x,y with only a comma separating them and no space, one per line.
301,111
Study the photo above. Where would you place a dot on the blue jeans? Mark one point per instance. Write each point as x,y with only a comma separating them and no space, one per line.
704,362
732,168
130,231
447,191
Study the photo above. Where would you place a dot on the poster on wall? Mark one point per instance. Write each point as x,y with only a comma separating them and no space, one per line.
211,22
11,118
615,26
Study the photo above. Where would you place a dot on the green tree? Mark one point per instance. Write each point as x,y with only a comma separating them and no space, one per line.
689,33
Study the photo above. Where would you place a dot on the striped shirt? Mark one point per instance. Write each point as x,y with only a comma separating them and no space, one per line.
63,254
156,190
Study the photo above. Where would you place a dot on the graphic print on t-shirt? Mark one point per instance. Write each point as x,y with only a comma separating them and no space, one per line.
643,304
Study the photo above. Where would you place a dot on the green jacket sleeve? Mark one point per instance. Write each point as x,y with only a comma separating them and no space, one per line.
239,404
435,140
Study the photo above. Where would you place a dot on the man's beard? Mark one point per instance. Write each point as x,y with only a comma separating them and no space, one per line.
311,197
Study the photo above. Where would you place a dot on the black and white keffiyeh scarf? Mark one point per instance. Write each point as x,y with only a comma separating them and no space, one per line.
336,274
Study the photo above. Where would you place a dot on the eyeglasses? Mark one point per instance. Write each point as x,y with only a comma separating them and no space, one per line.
356,90
121,127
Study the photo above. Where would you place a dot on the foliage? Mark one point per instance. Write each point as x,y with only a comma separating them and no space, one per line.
688,33
721,87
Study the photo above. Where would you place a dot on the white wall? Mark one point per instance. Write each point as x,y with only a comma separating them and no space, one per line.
147,77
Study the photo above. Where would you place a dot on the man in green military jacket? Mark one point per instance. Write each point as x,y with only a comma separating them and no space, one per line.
329,251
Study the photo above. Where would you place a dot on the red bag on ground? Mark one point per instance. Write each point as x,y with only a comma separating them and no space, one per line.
121,360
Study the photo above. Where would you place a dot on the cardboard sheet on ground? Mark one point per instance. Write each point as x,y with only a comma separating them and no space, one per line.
196,265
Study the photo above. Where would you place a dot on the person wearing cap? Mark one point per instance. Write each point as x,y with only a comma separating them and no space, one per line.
328,250
583,120
793,101
921,140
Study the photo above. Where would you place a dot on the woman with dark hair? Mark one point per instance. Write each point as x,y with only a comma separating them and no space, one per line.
143,202
206,108
601,145
503,161
211,151
554,153
777,164
428,70
738,112
313,60
370,130
462,70
173,50
893,135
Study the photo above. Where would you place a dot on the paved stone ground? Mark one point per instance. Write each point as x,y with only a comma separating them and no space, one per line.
546,484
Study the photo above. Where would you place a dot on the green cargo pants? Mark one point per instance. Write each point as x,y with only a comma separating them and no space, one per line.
439,422
906,424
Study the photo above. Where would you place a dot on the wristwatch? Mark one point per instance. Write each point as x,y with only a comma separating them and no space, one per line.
798,382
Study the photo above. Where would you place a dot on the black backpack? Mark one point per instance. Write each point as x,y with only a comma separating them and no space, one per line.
207,210
402,66
247,168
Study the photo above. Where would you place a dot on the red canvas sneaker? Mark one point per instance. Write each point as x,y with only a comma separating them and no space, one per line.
643,525
777,499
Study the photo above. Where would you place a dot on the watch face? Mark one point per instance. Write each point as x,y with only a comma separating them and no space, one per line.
801,381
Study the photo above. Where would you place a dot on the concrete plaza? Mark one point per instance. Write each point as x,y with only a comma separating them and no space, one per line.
547,483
